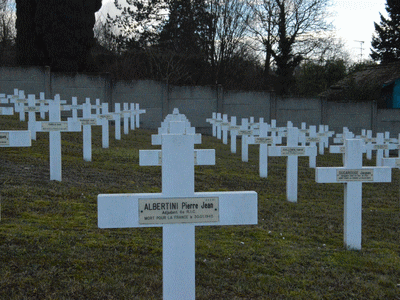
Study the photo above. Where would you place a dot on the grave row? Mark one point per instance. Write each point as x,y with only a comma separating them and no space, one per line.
178,209
302,142
54,125
250,134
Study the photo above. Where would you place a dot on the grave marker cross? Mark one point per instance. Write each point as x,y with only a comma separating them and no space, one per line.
177,209
292,151
353,174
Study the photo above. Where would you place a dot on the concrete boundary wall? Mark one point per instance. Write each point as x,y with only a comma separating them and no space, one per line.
198,102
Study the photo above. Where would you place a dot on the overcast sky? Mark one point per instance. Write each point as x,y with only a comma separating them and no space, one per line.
353,19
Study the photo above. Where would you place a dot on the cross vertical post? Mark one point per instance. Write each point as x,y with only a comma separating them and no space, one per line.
55,140
117,118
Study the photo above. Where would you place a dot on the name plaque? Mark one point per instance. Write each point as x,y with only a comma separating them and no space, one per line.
304,130
55,126
234,127
312,139
245,132
4,139
264,140
370,140
397,163
355,175
20,100
322,134
178,210
31,108
288,151
107,117
381,147
225,124
89,121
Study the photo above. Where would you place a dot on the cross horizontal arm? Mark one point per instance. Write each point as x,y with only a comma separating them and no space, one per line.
15,138
122,210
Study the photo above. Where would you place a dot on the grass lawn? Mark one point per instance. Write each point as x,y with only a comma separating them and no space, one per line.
51,247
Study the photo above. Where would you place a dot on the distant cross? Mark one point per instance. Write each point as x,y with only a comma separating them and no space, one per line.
225,127
312,139
264,141
117,119
55,126
352,174
379,146
292,151
177,209
245,132
212,122
103,119
233,131
218,122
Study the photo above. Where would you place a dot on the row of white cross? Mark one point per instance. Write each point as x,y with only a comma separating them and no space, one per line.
178,209
55,125
352,174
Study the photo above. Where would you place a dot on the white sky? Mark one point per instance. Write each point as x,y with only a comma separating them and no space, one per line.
353,19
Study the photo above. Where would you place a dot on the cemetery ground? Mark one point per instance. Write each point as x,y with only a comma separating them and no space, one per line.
51,247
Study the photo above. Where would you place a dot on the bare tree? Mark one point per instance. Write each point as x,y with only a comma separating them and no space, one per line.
289,30
226,33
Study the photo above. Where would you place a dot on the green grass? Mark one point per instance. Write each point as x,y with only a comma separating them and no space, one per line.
51,248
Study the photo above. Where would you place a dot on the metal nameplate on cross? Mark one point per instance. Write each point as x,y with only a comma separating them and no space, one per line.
178,208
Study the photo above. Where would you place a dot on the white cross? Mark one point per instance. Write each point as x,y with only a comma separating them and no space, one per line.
218,122
233,130
103,120
87,122
212,122
245,132
137,113
264,141
225,127
312,140
292,151
379,146
133,124
55,126
127,113
186,208
303,131
352,174
117,119
32,109
324,134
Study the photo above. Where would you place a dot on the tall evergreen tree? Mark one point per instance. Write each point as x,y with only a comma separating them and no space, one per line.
57,33
386,41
